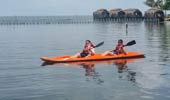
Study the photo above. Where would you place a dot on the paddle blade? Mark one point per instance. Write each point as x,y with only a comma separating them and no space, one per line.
131,43
101,43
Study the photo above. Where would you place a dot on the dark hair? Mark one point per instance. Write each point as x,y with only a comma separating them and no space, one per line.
120,40
88,41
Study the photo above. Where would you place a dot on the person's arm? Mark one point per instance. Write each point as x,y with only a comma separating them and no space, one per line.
92,50
123,51
92,45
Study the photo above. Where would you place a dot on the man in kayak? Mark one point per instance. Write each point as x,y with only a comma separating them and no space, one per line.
118,50
88,50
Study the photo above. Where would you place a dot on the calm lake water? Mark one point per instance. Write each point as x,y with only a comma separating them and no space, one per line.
23,78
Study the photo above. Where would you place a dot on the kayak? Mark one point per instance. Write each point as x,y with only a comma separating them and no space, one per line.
89,63
96,57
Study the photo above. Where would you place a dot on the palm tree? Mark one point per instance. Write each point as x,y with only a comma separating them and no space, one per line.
150,3
153,3
161,4
166,5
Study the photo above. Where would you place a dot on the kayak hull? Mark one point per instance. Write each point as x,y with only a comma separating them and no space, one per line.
96,57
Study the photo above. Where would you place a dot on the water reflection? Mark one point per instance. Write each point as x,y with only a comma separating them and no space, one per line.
91,72
159,37
90,68
122,68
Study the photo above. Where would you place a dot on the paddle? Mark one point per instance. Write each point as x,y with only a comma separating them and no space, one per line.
131,43
98,45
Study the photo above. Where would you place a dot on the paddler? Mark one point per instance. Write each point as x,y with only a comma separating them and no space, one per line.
88,50
118,50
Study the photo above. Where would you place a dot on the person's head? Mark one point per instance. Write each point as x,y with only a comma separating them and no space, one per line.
120,41
88,41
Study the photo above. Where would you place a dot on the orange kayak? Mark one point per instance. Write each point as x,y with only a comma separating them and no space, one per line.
89,63
96,57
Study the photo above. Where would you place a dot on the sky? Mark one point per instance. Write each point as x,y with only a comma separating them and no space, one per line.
63,7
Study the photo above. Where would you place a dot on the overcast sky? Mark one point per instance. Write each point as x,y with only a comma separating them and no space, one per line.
63,7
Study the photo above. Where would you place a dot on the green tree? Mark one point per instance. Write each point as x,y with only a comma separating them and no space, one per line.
166,5
150,3
162,4
155,3
159,4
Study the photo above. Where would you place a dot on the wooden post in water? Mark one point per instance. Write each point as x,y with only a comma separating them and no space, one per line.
126,28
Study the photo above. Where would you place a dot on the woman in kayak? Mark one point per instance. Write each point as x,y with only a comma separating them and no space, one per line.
118,50
88,50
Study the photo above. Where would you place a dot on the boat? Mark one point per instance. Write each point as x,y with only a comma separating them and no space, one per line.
96,57
115,61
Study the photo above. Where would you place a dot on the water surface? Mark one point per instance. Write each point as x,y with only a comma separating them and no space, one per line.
23,78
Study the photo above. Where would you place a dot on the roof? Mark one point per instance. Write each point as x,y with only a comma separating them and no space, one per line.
101,10
131,10
153,10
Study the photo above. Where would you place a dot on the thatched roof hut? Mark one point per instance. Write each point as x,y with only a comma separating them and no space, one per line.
116,13
154,13
132,13
101,13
